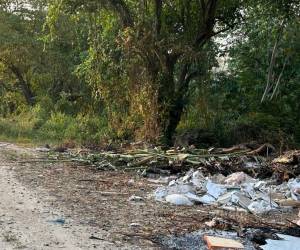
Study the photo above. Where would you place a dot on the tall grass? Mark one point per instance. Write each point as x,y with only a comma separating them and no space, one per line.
56,127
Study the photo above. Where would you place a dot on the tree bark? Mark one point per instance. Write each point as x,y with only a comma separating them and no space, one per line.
178,103
25,88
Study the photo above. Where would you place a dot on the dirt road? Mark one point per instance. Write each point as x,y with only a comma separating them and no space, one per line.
69,205
65,205
28,222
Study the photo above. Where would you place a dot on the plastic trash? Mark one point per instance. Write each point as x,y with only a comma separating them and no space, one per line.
294,186
42,149
260,207
215,190
135,198
237,191
237,178
198,179
160,193
207,199
179,200
241,200
226,198
287,242
60,221
194,197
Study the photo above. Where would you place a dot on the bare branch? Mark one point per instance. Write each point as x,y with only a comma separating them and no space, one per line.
272,63
279,78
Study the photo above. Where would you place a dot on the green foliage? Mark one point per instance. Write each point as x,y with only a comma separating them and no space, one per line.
34,125
94,71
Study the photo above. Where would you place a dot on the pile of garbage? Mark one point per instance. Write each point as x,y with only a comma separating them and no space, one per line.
237,191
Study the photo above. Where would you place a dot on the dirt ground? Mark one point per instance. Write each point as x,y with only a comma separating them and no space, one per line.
46,205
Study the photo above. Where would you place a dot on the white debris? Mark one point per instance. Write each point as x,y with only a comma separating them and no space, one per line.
194,197
172,183
294,186
198,179
135,225
260,207
211,223
287,242
135,198
238,178
241,200
260,185
179,200
215,190
42,149
238,191
163,180
131,182
226,198
207,199
160,193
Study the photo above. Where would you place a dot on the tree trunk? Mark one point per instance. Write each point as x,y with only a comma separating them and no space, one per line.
175,113
166,91
25,88
175,98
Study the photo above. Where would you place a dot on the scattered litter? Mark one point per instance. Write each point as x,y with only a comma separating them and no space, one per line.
207,199
260,207
59,221
219,222
135,225
294,185
194,198
297,222
179,200
131,182
215,190
287,242
237,178
135,198
215,243
195,240
92,237
237,190
211,223
42,149
217,179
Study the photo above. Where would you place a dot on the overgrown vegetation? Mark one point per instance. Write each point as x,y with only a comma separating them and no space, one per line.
94,72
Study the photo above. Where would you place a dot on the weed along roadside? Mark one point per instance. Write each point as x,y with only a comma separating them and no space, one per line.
175,198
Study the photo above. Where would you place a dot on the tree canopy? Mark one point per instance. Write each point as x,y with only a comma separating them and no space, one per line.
153,67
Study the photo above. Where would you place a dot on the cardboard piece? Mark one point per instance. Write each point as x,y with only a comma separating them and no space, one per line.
218,243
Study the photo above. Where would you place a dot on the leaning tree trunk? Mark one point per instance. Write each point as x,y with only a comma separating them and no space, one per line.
24,86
